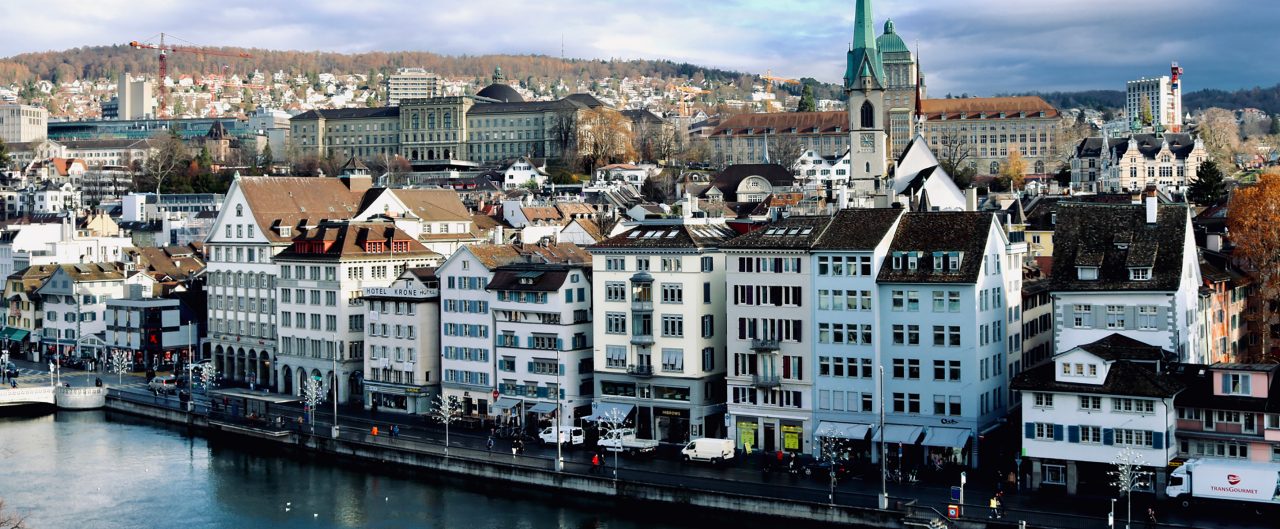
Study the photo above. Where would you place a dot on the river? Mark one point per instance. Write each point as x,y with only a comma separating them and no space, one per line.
83,470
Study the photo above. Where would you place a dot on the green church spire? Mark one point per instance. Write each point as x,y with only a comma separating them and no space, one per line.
864,59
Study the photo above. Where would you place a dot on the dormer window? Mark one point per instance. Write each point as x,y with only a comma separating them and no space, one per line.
937,262
1087,273
374,246
897,260
1139,274
953,261
911,261
286,231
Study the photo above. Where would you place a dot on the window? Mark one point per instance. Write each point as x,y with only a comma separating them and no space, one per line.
673,360
708,264
615,263
1083,316
1089,403
953,301
672,325
615,291
1147,317
670,264
672,293
1115,316
1121,405
708,326
1091,435
939,301
1043,431
1236,384
1054,474
1087,273
1128,437
615,356
899,300
1043,400
615,323
913,301
899,334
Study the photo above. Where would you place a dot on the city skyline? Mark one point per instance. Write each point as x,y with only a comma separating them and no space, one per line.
965,46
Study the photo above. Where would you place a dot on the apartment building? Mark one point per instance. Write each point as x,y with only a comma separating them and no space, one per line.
402,343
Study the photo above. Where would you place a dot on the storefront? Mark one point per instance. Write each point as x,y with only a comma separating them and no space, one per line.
850,441
398,397
946,447
903,451
671,425
769,434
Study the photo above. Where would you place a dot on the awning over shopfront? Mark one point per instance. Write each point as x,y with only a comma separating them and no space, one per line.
899,434
504,404
844,430
13,334
543,407
600,410
943,437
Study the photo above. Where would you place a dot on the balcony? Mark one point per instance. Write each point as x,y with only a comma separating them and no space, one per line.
643,340
641,306
765,381
764,344
640,370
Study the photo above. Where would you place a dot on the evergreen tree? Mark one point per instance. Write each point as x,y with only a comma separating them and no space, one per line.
1210,186
806,100
4,155
1275,125
205,159
266,155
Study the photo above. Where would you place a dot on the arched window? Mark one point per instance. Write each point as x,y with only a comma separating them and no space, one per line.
868,167
868,115
239,210
431,120
1039,166
995,167
448,120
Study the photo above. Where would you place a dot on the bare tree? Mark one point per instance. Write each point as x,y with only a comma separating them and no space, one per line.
119,364
1221,134
1129,475
168,158
564,134
312,395
9,520
785,149
955,154
446,410
613,426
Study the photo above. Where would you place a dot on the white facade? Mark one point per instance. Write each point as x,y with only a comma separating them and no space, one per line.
75,302
466,332
410,83
1160,98
24,245
402,345
522,173
23,123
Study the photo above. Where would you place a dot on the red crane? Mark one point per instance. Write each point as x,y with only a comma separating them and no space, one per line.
165,49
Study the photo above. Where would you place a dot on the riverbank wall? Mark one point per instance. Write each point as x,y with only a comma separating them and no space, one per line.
433,459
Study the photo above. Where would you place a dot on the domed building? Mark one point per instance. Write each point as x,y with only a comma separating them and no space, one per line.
501,92
901,74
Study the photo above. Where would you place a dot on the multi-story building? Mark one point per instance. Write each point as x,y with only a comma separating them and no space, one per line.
320,312
150,327
1229,287
1092,401
433,128
55,239
411,83
1130,269
662,364
1037,324
846,260
745,138
1170,162
23,123
542,341
1229,411
74,300
942,331
402,343
990,127
24,311
902,75
1155,103
864,88
768,283
366,133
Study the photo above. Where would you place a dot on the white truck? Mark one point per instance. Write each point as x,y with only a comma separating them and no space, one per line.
707,449
1253,483
625,440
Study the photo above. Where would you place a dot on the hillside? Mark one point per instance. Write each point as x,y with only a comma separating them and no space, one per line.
1266,99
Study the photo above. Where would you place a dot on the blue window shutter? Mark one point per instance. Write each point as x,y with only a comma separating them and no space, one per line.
561,394
1108,436
568,295
528,340
1073,434
502,388
582,294
561,369
560,343
1030,430
1157,440
1057,432
542,392
530,367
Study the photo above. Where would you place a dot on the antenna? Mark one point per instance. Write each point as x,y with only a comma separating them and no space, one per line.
562,46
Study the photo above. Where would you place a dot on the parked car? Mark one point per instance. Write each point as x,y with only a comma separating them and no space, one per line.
707,449
165,384
571,435
821,469
625,440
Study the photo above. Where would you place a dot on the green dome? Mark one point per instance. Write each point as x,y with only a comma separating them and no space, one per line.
890,42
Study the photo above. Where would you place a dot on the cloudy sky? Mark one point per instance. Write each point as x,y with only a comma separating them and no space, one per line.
977,46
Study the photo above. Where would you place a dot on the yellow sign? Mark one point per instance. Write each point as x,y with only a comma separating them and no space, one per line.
791,437
747,433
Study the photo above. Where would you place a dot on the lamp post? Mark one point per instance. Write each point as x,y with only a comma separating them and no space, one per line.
963,479
559,418
334,357
884,490
1111,516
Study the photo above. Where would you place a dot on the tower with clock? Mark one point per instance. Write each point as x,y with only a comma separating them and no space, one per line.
864,87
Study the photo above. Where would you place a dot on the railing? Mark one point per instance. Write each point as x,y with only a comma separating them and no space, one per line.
764,344
642,339
765,381
640,370
642,306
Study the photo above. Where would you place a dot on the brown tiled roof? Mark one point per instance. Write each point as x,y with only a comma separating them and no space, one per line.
486,222
296,201
1123,378
974,107
590,227
166,264
528,279
858,229
939,231
836,122
536,213
434,204
495,255
346,240
571,209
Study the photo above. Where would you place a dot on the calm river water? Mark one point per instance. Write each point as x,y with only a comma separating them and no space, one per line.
81,470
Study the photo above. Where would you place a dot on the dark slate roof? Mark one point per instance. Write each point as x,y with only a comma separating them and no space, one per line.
1180,144
1120,347
350,113
501,92
586,100
727,180
1198,379
939,231
642,115
526,278
858,229
482,107
680,236
788,233
1093,235
1123,378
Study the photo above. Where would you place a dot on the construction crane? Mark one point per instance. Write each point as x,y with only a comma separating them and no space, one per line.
771,80
687,93
165,49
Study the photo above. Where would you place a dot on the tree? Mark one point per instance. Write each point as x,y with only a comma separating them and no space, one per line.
1014,168
312,395
834,453
1210,185
169,158
119,364
807,103
1063,176
603,137
954,154
1221,134
1144,113
1251,216
785,149
564,134
267,156
1000,184
1129,475
5,160
659,188
613,425
446,410
9,520
1274,130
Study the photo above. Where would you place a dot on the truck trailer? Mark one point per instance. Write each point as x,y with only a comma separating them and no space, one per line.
1249,482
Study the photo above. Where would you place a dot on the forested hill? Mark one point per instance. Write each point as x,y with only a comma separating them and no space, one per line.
1267,99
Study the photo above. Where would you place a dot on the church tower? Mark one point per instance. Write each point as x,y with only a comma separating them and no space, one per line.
864,86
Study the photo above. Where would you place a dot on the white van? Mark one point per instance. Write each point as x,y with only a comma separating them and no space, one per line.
714,450
572,435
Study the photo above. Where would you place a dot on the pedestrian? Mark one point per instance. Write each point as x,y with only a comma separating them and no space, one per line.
995,506
595,463
488,444
374,431
1151,517
514,447
1012,481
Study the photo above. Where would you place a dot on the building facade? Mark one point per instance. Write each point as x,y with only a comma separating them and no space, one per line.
23,123
1170,162
411,83
989,128
1229,411
402,345
864,87
1155,103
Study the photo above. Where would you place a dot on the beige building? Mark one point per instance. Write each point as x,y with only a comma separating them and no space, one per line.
434,128
365,133
742,139
23,123
1169,162
412,83
994,126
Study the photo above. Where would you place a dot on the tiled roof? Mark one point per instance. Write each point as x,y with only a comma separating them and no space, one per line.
434,204
727,180
1180,144
572,209
350,113
591,228
836,122
166,264
1123,378
1115,237
788,233
939,231
992,107
529,278
494,255
1120,347
537,213
1198,379
679,236
296,201
347,240
858,229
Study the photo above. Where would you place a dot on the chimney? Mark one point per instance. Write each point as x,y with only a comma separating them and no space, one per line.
971,199
843,198
1213,241
1152,206
357,183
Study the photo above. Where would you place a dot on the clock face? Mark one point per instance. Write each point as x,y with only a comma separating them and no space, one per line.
868,142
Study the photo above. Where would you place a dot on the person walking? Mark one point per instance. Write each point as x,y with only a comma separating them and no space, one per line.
595,463
995,508
395,431
1151,518
488,443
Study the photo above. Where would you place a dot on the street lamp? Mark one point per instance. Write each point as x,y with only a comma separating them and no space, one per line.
559,418
964,478
334,357
884,490
1111,516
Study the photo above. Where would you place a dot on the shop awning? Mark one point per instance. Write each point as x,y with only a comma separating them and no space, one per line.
13,334
943,437
603,409
899,434
844,430
543,407
504,404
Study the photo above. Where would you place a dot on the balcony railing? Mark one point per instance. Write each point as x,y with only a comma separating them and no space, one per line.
642,339
642,306
765,381
764,344
640,370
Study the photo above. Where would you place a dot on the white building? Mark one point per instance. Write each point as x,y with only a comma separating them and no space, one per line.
522,172
23,123
402,343
662,364
55,240
1154,103
411,83
542,341
75,302
1131,269
320,310
1089,403
770,352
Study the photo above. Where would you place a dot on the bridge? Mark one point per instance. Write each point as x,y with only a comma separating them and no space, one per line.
26,395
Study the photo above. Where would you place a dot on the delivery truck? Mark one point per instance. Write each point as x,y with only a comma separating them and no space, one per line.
1256,484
